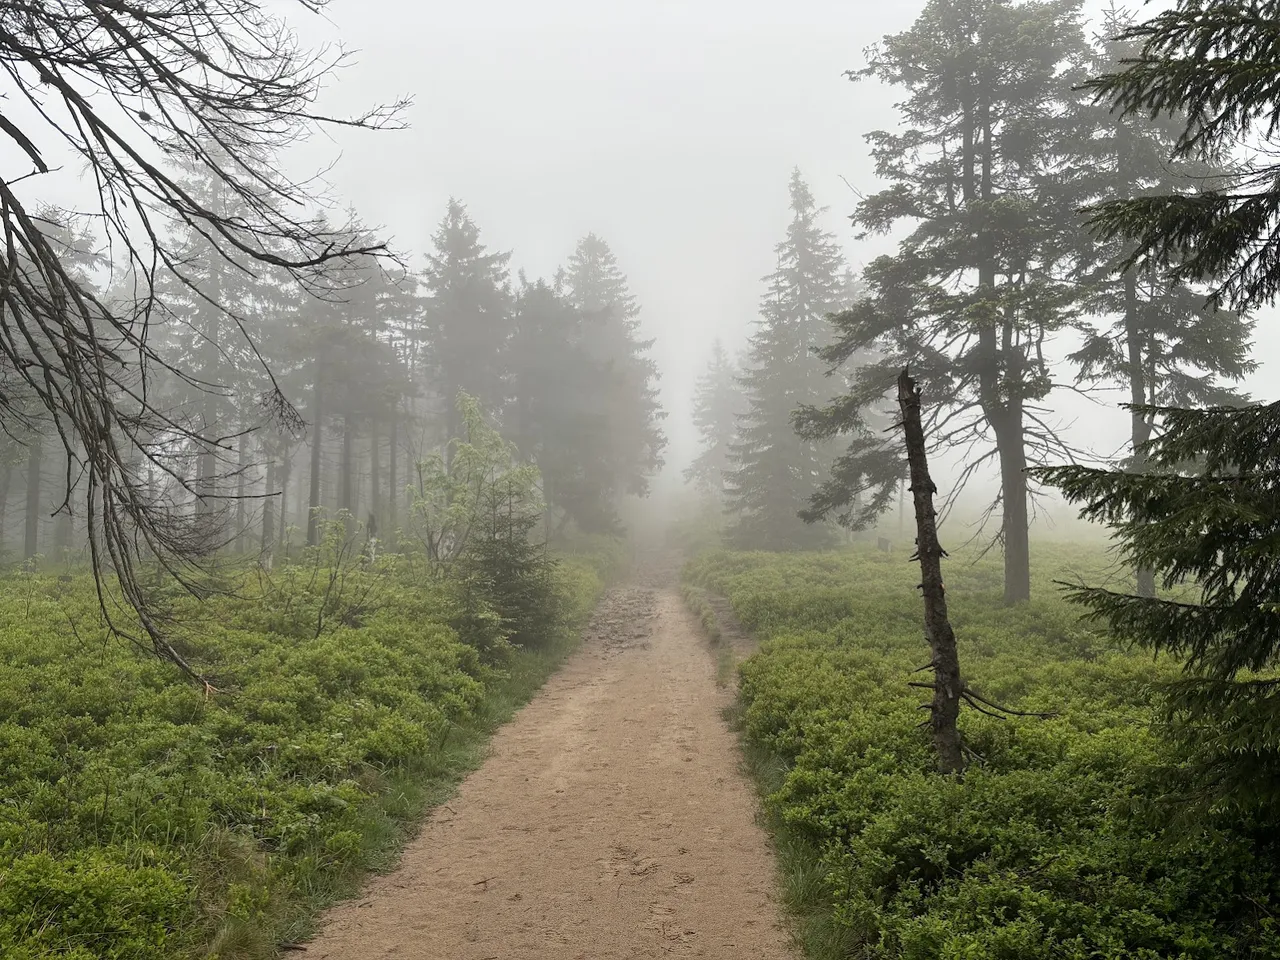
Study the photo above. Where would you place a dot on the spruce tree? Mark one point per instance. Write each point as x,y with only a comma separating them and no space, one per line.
555,417
467,317
717,403
221,326
349,372
611,336
1202,512
977,287
1159,339
1215,66
51,487
775,471
1205,516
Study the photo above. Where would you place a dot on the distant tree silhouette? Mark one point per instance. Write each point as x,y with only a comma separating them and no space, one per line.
717,404
775,471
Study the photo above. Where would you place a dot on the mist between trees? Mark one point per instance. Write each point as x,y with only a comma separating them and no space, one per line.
1035,206
378,362
195,370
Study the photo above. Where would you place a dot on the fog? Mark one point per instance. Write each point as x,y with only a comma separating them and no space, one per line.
669,128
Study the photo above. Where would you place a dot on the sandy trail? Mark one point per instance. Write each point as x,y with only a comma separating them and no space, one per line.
610,821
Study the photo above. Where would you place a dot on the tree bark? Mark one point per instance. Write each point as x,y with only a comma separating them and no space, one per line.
947,683
31,545
1013,501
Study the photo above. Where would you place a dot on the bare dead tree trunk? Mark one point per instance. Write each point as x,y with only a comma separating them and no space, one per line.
947,684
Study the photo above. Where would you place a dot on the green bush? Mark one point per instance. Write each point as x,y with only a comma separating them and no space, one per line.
1055,845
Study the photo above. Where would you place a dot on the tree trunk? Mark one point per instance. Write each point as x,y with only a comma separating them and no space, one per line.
6,482
206,465
375,482
346,478
242,460
317,439
1000,403
902,508
269,514
1013,501
1139,425
947,683
453,430
31,545
393,490
286,477
63,521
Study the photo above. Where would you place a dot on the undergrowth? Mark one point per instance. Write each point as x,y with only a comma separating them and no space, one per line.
1056,845
142,818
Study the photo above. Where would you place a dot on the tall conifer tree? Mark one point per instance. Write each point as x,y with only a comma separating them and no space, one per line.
554,417
1202,512
774,470
468,317
219,325
977,287
717,404
611,336
1160,339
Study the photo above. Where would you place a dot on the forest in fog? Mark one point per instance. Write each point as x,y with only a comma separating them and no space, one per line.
299,513
283,406
1007,287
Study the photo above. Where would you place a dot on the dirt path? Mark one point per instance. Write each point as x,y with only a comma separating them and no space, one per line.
610,821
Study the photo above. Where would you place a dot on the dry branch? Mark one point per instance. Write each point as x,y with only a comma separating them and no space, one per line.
136,90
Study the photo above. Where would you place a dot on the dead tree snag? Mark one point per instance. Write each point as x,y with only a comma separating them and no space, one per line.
947,685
